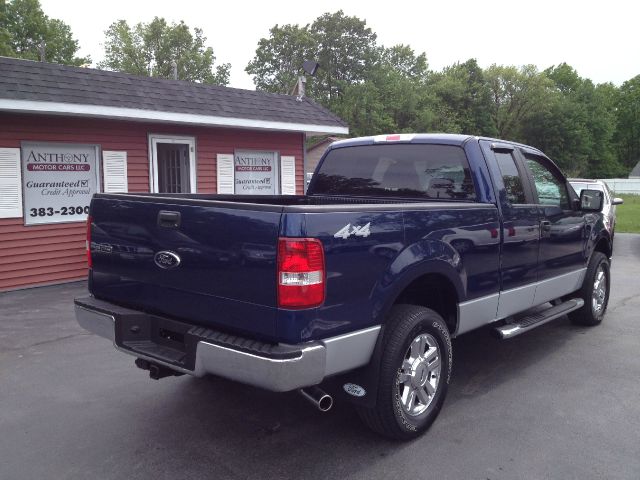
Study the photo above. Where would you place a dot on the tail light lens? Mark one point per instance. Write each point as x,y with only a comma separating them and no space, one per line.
301,273
494,232
89,260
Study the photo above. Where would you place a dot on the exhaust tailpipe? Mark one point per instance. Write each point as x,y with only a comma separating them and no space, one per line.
318,397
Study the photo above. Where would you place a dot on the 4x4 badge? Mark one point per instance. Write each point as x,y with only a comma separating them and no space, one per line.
348,230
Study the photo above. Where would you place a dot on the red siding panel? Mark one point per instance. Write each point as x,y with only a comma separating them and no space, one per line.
46,254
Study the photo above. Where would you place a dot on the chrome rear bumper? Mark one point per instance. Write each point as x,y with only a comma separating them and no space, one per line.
282,368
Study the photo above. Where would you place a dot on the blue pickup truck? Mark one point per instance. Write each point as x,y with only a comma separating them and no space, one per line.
401,243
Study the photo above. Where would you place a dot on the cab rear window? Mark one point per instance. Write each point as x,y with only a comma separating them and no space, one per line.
397,170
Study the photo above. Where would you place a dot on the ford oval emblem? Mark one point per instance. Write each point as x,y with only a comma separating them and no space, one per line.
166,259
355,390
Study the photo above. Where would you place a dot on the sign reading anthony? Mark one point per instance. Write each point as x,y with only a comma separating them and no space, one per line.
255,173
58,181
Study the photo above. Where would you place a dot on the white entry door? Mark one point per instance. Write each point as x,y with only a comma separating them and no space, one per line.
172,164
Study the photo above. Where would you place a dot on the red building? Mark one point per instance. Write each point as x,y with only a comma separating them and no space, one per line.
66,133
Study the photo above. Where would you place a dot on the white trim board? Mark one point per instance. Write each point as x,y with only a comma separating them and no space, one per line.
99,111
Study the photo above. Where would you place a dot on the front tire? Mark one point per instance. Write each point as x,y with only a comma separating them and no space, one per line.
415,371
594,292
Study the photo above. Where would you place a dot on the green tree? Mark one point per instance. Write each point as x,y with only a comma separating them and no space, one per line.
590,130
24,28
151,48
515,94
403,60
346,50
600,104
344,46
389,98
577,127
278,60
465,97
5,37
364,107
628,123
565,78
560,130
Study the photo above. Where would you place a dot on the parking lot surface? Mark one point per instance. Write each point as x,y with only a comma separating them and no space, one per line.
559,402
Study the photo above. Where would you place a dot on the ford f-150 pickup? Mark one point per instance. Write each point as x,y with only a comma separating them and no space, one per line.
401,243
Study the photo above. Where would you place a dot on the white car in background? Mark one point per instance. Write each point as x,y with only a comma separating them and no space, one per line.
610,202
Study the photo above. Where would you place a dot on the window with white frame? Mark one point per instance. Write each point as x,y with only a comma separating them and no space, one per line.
173,164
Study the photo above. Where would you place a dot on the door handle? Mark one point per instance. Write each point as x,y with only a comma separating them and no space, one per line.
545,225
168,219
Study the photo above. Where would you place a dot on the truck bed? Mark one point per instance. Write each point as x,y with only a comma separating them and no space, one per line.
227,250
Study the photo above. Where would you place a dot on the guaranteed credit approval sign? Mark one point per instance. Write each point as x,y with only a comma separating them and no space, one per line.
255,172
58,181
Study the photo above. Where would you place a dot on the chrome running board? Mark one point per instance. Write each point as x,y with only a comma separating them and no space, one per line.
534,320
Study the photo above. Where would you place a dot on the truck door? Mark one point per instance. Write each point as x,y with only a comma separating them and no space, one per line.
563,230
520,227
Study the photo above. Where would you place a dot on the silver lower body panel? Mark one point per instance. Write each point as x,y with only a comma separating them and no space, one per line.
482,311
317,360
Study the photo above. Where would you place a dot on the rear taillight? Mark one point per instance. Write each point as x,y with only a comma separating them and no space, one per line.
301,273
89,261
494,233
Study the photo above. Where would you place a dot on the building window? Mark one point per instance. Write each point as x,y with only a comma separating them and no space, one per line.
173,164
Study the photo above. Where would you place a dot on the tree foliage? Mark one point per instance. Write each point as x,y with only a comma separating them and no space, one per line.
628,122
465,97
150,49
24,28
276,66
392,96
343,45
346,49
590,130
516,93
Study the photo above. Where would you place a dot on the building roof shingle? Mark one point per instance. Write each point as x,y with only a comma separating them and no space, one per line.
28,81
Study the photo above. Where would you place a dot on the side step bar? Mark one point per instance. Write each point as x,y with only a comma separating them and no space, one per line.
534,320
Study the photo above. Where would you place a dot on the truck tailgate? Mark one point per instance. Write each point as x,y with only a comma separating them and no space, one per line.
211,263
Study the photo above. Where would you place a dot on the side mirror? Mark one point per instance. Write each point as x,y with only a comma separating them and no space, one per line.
617,201
591,200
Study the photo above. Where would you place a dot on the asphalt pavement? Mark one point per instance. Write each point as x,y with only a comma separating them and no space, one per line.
559,402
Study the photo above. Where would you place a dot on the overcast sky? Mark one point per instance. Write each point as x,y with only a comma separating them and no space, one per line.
599,39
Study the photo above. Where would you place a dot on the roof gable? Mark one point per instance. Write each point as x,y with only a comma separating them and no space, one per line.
322,143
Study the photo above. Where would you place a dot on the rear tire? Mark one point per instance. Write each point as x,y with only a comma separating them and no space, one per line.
594,292
415,371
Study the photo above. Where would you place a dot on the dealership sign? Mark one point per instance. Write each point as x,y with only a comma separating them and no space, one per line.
58,181
255,173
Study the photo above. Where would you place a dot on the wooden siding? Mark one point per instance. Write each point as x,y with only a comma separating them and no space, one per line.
45,254
40,254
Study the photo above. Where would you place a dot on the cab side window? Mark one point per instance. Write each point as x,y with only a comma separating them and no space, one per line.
552,191
510,178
